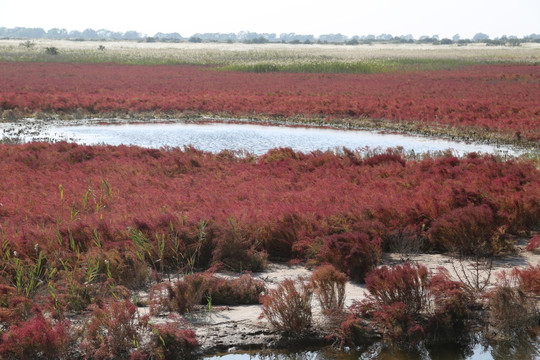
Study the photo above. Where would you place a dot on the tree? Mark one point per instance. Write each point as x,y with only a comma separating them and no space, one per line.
56,33
131,35
90,34
480,37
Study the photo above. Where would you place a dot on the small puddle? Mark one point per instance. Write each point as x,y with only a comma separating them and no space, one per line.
253,138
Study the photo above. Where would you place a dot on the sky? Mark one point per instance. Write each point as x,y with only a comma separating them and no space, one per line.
396,17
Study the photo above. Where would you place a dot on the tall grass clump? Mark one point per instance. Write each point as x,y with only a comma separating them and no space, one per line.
358,67
366,66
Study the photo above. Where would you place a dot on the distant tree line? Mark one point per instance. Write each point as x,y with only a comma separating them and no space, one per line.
253,37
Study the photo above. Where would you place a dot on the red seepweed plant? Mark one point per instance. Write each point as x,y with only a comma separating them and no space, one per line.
497,97
329,286
288,307
409,305
82,223
37,337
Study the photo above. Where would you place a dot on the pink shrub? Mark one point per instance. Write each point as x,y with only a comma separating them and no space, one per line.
468,230
400,326
168,341
329,287
182,296
528,279
355,331
404,284
353,253
533,243
411,306
113,332
452,303
288,307
37,338
242,291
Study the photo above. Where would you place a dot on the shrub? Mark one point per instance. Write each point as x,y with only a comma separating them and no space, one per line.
354,331
405,242
511,311
452,303
279,154
355,253
18,309
329,287
400,284
533,243
242,291
387,158
399,325
51,50
182,296
409,306
288,307
126,268
168,341
528,279
113,332
36,338
237,252
468,231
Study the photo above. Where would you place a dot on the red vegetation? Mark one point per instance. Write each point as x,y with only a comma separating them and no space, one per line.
170,342
503,98
120,207
116,331
206,289
288,307
410,305
112,332
400,284
78,223
355,253
329,286
242,291
36,338
533,243
528,279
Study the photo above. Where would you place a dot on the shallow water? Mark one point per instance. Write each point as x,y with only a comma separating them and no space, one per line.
524,347
256,139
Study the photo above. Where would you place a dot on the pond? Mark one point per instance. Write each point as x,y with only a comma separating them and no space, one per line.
253,138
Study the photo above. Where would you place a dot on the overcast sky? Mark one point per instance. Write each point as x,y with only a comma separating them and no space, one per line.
396,17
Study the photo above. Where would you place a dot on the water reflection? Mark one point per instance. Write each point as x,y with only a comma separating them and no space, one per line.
524,347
